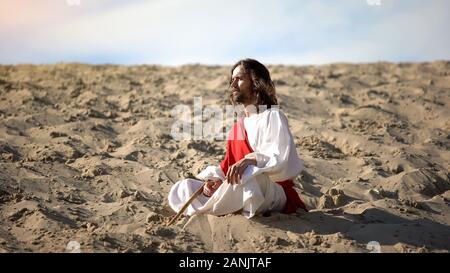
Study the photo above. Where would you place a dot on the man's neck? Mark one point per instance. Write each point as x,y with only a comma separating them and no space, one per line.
251,113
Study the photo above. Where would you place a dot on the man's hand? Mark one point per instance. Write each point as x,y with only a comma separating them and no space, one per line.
211,186
235,172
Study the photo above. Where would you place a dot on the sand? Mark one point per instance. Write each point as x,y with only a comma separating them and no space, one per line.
87,159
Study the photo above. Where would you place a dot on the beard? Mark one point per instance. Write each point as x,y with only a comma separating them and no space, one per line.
239,97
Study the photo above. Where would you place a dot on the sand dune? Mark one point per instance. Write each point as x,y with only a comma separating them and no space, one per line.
86,155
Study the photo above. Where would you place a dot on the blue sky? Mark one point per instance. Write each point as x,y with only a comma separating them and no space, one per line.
174,32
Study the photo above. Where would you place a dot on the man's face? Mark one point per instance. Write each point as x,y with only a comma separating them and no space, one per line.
241,86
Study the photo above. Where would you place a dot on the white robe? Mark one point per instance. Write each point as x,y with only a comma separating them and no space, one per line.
277,160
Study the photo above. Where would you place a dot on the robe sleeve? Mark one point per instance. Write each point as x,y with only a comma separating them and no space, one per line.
211,172
273,149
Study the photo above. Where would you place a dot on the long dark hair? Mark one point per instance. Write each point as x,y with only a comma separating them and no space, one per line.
262,84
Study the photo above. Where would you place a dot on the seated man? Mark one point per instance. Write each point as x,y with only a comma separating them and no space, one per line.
260,161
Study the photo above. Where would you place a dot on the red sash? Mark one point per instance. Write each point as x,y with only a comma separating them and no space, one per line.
238,146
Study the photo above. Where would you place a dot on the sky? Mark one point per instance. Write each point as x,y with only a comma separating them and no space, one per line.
176,32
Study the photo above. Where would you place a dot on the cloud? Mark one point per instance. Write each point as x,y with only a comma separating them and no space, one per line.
220,32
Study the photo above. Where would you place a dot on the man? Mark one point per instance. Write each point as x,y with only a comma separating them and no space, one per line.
261,159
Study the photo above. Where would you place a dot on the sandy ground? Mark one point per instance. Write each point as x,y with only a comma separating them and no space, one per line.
86,155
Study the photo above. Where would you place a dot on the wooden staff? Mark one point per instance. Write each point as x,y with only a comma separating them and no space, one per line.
189,201
186,205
